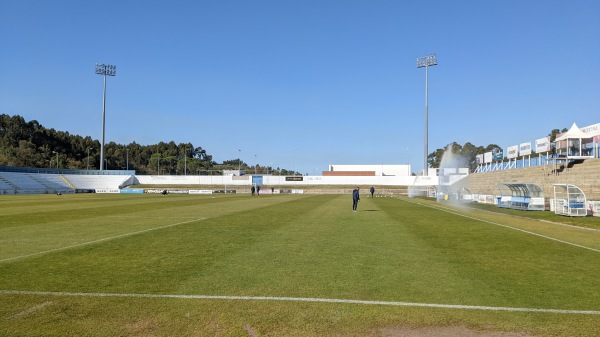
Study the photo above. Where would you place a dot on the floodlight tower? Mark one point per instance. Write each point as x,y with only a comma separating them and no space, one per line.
106,70
426,61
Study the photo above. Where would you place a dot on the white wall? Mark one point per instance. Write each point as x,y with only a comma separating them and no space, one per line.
200,180
380,170
280,180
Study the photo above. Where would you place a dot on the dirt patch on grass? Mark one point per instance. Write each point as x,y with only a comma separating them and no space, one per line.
251,332
141,327
450,331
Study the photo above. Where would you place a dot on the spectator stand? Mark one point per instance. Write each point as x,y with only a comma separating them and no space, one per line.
523,196
569,200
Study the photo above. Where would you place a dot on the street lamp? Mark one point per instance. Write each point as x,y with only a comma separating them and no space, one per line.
239,163
88,159
106,70
56,159
426,62
295,149
127,161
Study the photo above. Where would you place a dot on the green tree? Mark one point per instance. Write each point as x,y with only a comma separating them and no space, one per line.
30,144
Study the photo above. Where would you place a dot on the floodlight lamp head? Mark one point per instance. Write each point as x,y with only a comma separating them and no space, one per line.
106,69
112,70
426,61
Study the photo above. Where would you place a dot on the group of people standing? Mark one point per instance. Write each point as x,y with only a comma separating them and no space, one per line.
356,197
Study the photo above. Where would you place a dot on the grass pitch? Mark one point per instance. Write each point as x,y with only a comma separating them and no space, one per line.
279,265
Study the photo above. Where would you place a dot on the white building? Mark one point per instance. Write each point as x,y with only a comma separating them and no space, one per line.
368,170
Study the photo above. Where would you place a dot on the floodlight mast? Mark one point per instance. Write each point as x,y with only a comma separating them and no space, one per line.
106,70
426,62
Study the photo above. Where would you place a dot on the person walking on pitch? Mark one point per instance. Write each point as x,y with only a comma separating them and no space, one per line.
355,198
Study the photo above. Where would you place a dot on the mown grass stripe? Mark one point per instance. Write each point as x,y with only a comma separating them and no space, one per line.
306,299
98,241
443,209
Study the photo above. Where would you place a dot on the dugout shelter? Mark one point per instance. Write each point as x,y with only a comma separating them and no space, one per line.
569,200
523,196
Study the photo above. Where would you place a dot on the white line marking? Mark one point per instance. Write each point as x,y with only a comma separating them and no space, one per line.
32,309
99,240
306,299
506,226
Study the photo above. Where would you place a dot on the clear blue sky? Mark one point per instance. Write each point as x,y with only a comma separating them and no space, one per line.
304,84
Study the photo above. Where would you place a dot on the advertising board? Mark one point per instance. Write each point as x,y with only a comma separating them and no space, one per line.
132,191
201,192
108,190
525,149
498,154
513,152
487,157
594,208
542,145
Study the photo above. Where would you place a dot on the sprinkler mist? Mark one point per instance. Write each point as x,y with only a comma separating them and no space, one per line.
452,169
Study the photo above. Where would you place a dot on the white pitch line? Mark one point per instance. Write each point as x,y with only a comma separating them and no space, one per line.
307,299
99,240
32,309
509,227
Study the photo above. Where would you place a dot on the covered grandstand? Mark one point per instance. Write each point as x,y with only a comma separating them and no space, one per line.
575,144
18,180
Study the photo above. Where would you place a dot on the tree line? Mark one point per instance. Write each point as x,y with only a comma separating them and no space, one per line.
29,144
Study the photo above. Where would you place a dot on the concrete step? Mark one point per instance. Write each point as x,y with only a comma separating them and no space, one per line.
584,175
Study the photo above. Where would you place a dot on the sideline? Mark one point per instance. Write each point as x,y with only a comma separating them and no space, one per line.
99,240
305,299
444,209
540,220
